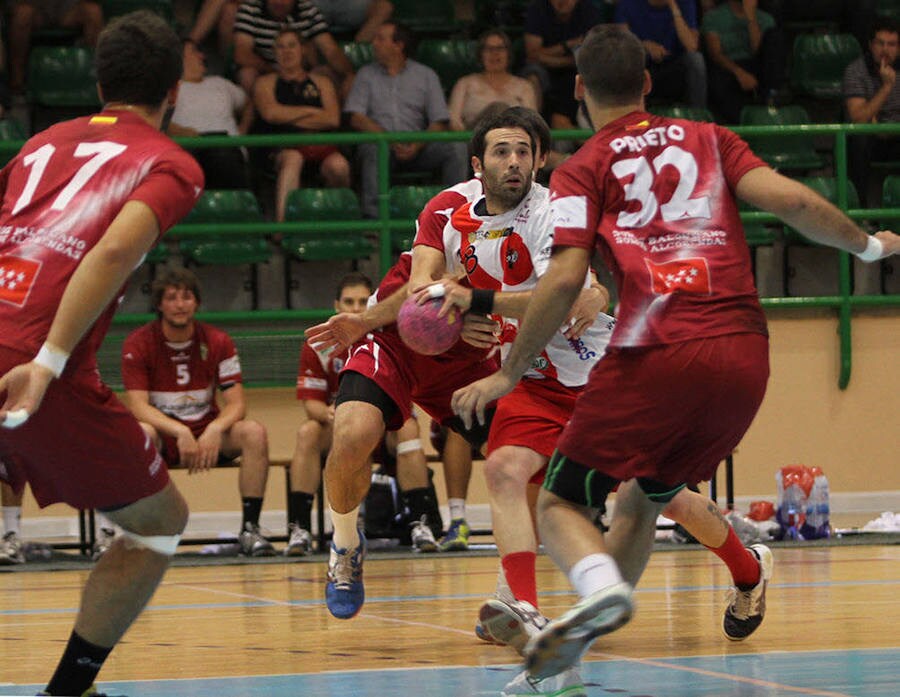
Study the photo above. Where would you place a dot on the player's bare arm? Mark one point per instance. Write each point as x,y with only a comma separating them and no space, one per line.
139,405
101,274
590,302
344,329
552,299
810,214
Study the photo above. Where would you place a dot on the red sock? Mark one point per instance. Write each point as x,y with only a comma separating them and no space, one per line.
742,563
519,570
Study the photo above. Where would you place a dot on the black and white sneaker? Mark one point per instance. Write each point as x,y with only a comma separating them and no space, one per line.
746,608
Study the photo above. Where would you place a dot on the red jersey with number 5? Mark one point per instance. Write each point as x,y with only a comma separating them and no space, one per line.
656,196
60,194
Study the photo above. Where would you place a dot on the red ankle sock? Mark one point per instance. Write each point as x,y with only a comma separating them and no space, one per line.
519,570
742,563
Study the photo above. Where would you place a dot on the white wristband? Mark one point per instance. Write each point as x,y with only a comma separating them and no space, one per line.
52,359
874,250
436,290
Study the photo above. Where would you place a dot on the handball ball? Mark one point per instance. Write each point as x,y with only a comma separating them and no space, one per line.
423,331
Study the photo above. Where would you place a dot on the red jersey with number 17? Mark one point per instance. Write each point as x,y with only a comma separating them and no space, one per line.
60,194
656,196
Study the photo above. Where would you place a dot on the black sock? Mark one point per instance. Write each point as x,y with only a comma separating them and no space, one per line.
252,509
78,667
301,509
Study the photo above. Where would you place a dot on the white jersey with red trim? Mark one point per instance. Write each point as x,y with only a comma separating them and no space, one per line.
509,252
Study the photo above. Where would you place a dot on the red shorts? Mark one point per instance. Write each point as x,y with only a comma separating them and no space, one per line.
532,416
82,446
315,153
668,413
408,377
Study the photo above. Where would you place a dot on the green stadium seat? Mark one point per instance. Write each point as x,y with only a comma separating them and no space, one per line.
322,204
891,191
406,203
449,58
426,16
677,111
782,152
62,76
158,255
888,8
358,54
11,129
818,62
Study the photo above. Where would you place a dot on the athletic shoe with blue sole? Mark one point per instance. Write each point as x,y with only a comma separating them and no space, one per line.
344,590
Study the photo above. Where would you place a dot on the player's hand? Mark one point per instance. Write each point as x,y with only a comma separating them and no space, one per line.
887,72
329,414
452,292
474,398
480,331
590,302
746,79
340,332
25,387
890,241
188,450
209,445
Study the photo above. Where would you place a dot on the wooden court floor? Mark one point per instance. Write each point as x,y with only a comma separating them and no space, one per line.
262,629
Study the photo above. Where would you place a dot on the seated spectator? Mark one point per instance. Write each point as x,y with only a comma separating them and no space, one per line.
209,105
668,30
28,15
291,101
257,24
11,545
360,16
746,53
871,95
171,369
554,29
396,93
219,14
317,383
472,93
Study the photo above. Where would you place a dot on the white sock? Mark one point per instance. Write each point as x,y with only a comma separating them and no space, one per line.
593,573
457,508
503,591
346,535
12,515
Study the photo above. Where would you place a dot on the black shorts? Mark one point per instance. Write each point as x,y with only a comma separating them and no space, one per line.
356,387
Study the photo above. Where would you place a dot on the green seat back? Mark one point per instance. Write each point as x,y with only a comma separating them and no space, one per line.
325,204
406,203
888,8
10,129
449,58
157,255
891,191
818,62
225,206
358,54
677,111
782,152
426,16
62,76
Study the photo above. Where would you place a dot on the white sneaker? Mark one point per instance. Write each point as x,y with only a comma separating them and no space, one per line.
746,609
299,543
510,623
565,684
11,549
105,538
422,537
252,543
563,641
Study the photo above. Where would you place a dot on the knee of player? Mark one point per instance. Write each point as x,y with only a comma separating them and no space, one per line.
252,436
308,434
502,472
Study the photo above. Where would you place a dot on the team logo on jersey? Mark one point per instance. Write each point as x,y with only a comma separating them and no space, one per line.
689,275
17,275
517,266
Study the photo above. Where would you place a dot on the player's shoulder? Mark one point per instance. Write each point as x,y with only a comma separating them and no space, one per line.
453,197
211,332
142,336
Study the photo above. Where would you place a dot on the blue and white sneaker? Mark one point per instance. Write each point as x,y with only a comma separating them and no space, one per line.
457,537
565,684
344,590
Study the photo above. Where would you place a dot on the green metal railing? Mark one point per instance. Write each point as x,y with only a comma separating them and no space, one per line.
844,302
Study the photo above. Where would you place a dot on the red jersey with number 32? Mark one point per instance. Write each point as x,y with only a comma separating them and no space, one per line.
60,194
656,196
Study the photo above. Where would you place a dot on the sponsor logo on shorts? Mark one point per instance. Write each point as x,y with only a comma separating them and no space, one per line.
583,351
540,363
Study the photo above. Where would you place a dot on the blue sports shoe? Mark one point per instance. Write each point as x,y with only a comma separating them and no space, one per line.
457,537
344,591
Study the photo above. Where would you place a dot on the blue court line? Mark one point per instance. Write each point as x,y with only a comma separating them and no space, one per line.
429,598
849,673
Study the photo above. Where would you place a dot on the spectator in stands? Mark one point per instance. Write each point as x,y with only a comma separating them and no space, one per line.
362,16
257,24
11,547
28,15
872,95
317,383
746,53
669,31
554,29
171,369
396,93
210,105
291,101
219,14
472,93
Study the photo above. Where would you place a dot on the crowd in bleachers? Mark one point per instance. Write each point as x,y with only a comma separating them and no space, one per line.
301,66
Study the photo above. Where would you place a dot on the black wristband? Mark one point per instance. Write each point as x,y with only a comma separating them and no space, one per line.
482,301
